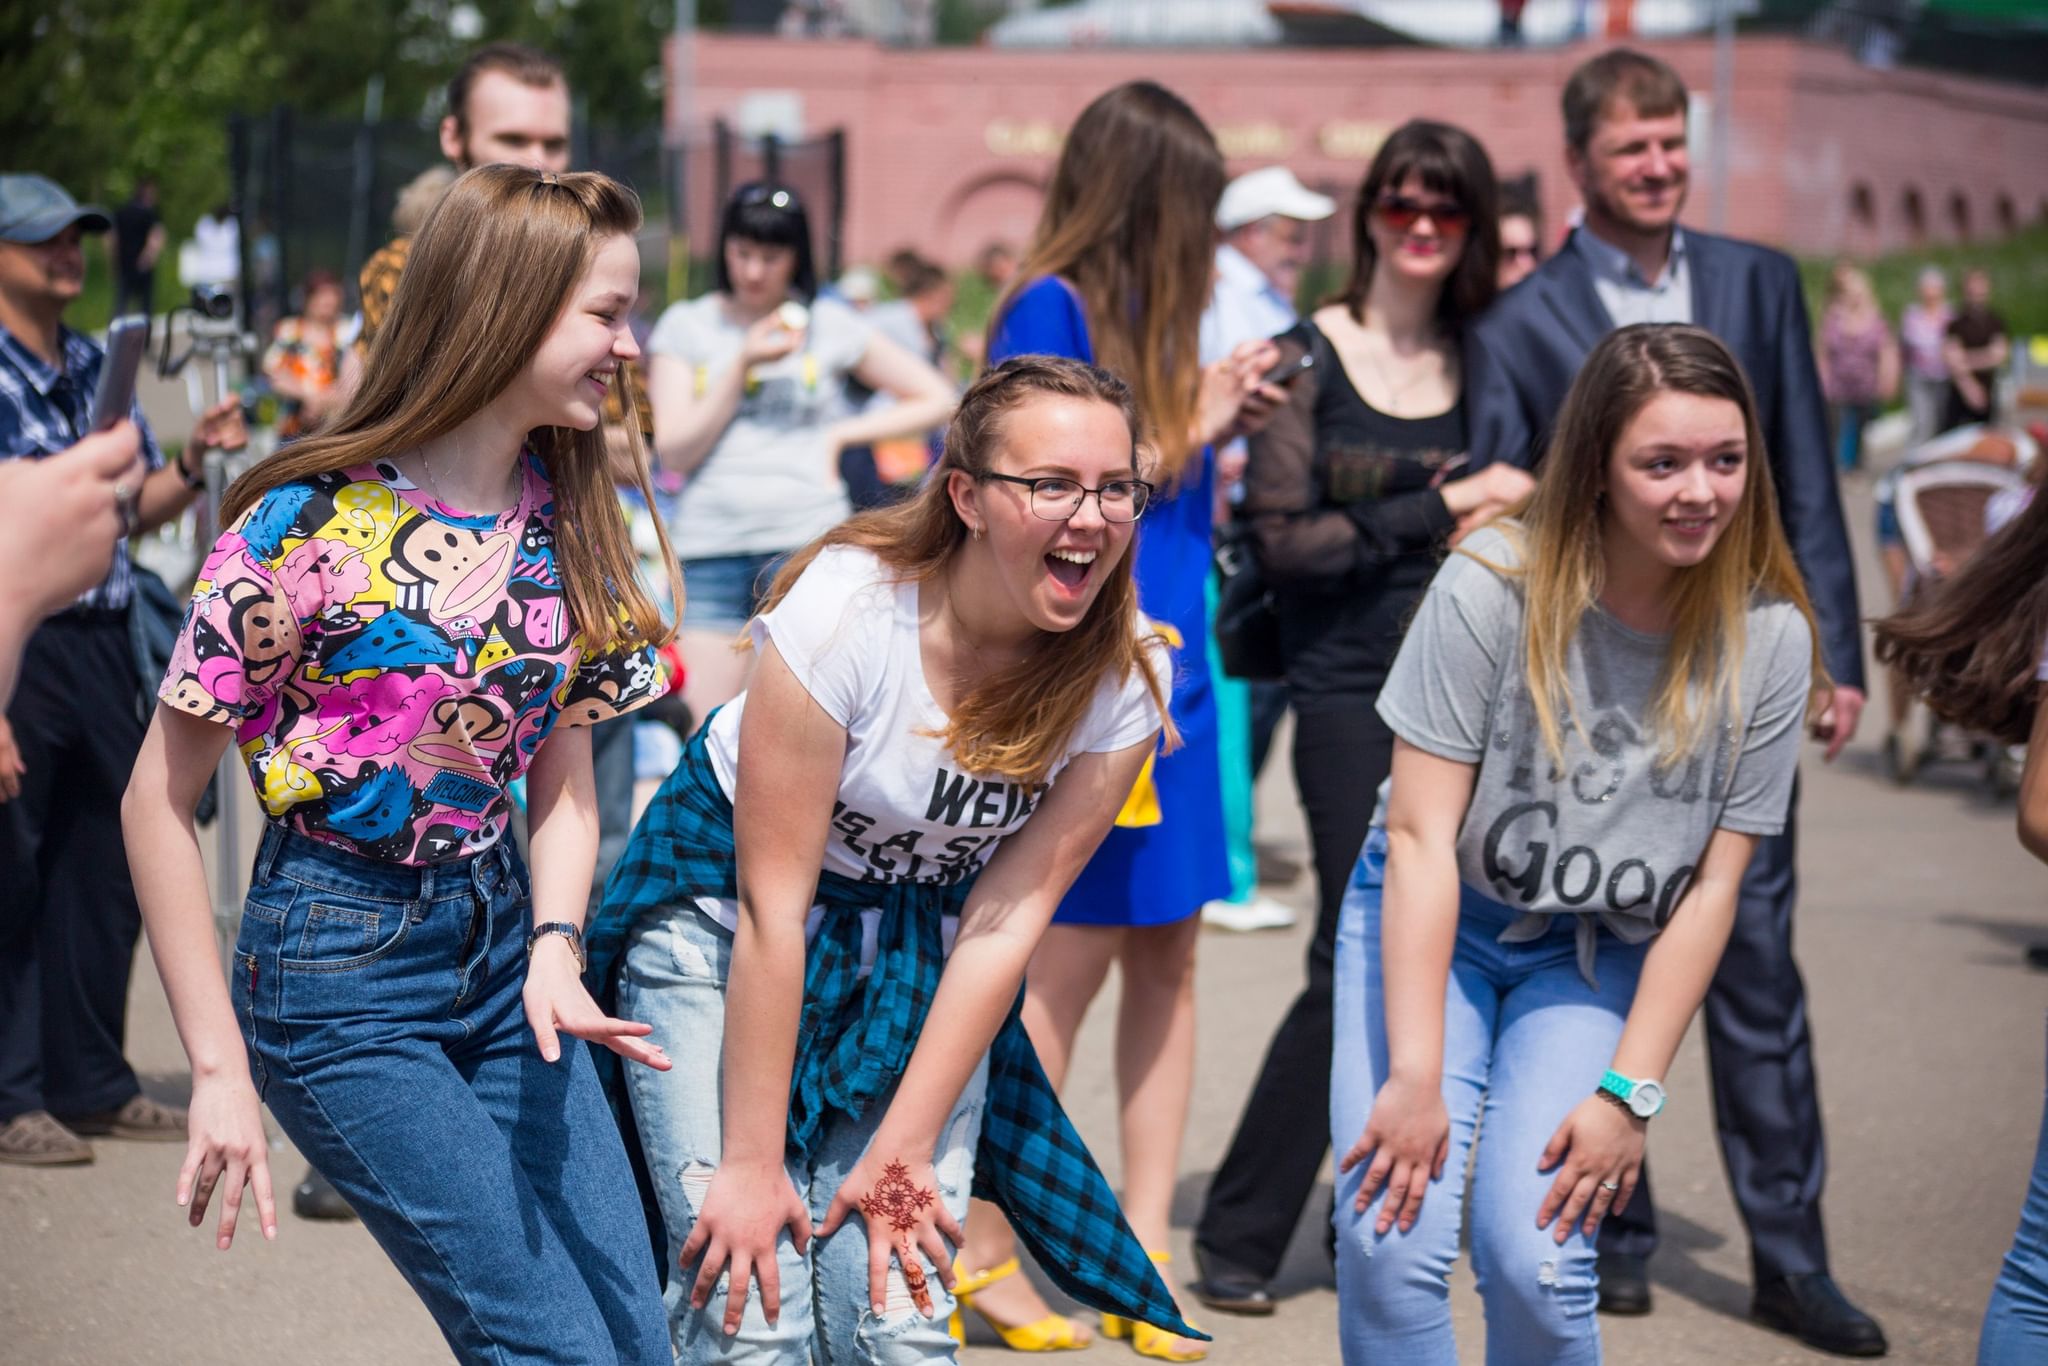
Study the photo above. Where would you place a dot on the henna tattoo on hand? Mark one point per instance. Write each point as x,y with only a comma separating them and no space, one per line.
897,1201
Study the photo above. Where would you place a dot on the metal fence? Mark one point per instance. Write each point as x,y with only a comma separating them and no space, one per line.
320,193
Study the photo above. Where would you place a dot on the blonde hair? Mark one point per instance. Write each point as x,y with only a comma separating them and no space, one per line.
419,197
1130,222
1562,562
1016,722
488,275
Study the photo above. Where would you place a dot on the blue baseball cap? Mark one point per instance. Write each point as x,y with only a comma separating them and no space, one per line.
35,208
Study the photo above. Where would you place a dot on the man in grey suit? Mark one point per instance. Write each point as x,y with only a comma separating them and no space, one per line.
1629,262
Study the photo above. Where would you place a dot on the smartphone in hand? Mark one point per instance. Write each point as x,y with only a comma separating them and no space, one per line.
127,339
1287,371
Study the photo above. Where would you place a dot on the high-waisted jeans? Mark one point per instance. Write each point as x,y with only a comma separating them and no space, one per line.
674,978
381,1005
1525,1040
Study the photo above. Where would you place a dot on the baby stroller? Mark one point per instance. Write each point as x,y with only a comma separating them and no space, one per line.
1940,508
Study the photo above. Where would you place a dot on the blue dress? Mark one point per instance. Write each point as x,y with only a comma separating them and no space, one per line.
1156,874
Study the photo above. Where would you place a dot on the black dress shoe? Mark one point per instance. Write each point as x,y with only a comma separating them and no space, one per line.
1230,1290
1624,1284
316,1198
1812,1308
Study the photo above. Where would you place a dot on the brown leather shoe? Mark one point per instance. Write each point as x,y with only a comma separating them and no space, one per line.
141,1118
36,1139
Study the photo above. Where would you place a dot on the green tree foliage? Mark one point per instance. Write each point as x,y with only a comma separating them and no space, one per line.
95,93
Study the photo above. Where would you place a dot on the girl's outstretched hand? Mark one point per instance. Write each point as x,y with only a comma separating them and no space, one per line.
227,1149
899,1200
1407,1137
558,1003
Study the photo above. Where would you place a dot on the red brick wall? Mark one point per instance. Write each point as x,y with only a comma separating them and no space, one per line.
948,147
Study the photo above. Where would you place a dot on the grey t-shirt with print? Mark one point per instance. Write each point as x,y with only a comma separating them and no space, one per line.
1612,833
771,482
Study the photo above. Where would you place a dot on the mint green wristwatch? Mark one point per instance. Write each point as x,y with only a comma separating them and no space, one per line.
1643,1099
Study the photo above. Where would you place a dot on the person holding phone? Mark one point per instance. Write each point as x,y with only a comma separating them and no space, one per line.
1352,492
68,919
1265,217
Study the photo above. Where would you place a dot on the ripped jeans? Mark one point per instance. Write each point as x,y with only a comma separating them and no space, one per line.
674,978
1525,1040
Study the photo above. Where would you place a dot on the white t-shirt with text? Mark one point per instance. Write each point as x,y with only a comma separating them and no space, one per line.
905,811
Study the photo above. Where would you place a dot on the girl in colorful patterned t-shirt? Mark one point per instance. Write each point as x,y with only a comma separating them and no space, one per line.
385,665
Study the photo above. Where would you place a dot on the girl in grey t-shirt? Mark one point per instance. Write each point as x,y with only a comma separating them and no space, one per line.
1597,712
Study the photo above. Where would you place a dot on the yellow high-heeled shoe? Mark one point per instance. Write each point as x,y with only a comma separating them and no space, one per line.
1147,1340
1053,1333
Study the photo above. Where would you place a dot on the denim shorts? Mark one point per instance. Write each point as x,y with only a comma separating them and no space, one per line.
382,1008
722,592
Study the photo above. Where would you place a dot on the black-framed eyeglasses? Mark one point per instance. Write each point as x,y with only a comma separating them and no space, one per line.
1054,499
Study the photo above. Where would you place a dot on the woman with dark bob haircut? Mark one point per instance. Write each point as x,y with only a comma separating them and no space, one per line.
748,384
1353,491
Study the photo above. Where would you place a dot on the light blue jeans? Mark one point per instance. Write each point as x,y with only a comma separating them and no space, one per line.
676,967
2016,1319
1525,1040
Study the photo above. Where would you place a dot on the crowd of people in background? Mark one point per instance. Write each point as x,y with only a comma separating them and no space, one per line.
941,607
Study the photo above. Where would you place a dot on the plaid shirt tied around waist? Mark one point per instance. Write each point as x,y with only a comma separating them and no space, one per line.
855,1036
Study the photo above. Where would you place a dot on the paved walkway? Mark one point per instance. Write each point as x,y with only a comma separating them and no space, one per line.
1929,1032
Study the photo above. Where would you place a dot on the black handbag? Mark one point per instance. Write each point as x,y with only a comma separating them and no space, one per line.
1247,628
154,615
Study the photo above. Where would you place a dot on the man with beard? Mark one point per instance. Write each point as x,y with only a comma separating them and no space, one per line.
1630,262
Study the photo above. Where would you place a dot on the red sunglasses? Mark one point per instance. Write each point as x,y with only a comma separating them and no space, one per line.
1401,213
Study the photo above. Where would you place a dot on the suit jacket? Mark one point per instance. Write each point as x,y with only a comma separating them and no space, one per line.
1528,348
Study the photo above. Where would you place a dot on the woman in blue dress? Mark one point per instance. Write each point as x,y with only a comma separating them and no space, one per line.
1117,275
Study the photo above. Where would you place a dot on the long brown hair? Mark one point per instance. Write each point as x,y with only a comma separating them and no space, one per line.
489,273
1014,723
1449,161
1130,222
1972,645
1563,562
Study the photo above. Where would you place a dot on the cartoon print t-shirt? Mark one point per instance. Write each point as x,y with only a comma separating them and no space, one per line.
389,664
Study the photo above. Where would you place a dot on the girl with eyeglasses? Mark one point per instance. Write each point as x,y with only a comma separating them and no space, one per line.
1352,493
1598,711
748,385
1118,275
827,911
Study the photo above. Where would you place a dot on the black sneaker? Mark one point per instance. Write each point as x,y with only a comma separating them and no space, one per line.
1624,1284
1812,1308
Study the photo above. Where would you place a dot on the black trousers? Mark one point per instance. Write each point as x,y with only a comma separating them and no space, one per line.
1342,752
68,918
1766,1105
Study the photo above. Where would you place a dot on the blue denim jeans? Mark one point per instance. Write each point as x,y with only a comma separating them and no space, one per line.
1525,1040
674,978
722,592
2016,1320
382,1010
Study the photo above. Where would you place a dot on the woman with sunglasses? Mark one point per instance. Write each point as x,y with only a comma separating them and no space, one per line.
1118,274
828,909
1352,492
748,385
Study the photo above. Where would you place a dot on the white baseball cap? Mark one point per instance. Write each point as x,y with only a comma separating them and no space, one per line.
1266,192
